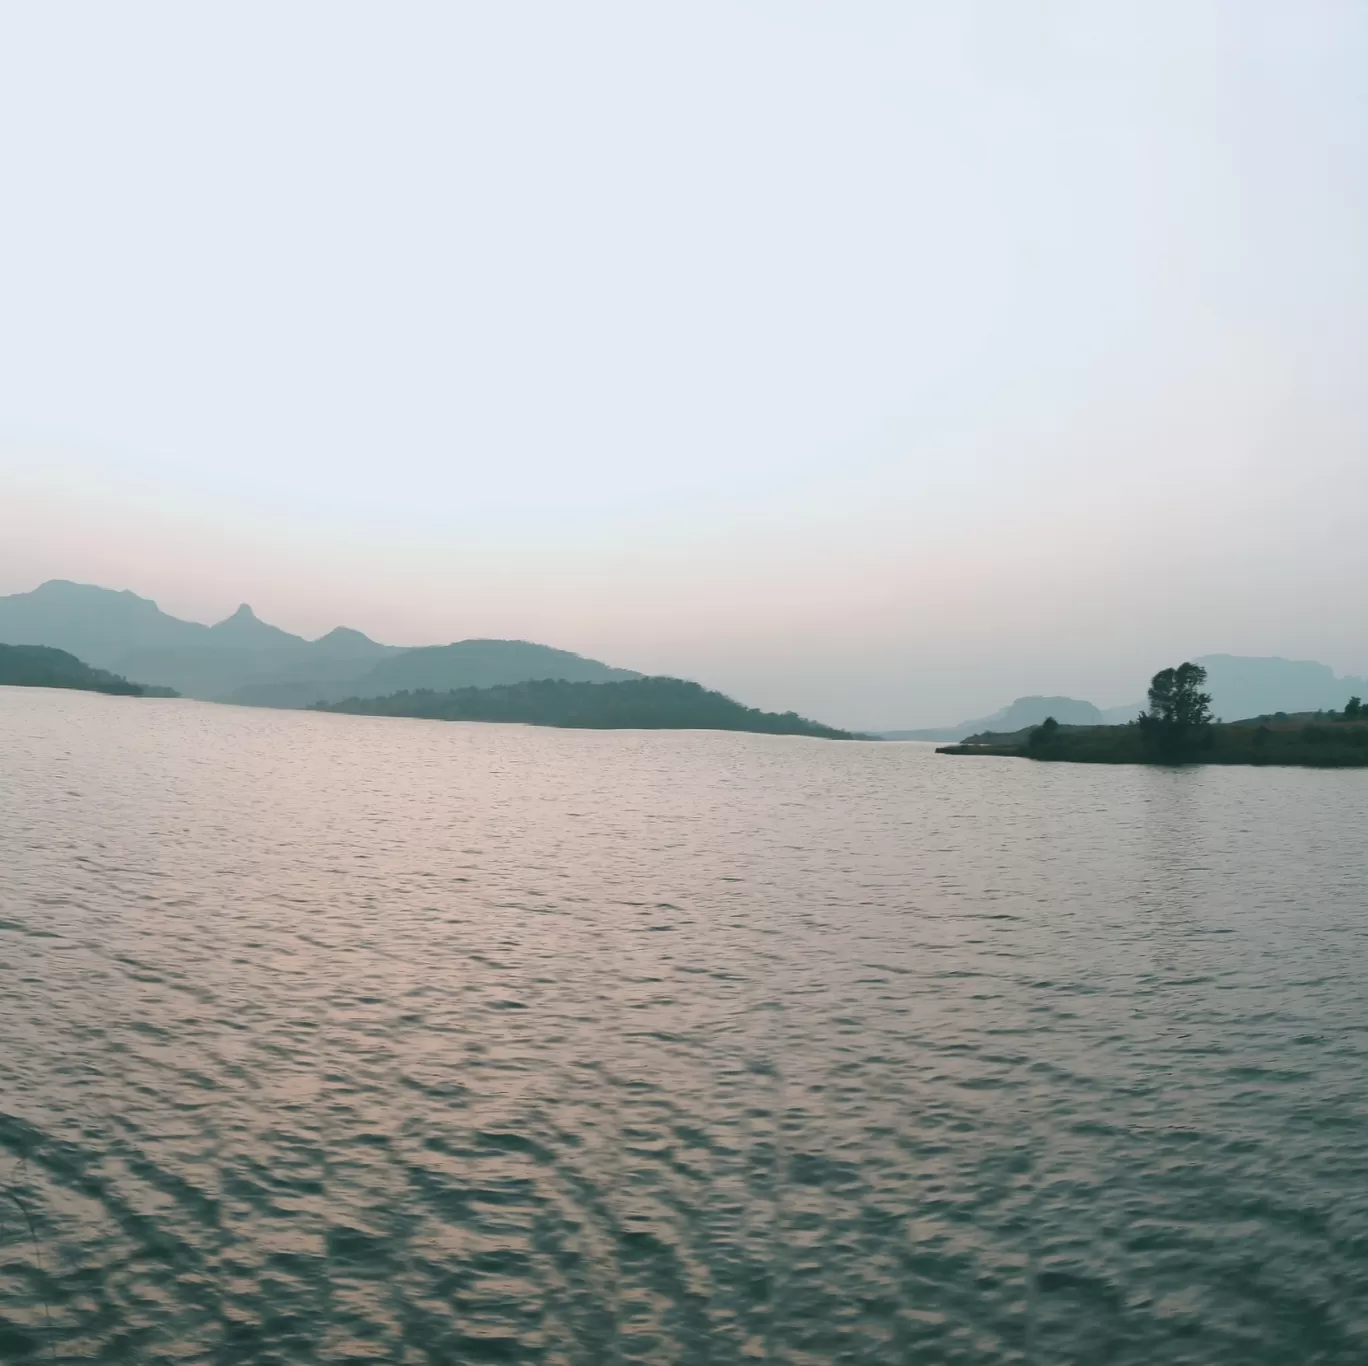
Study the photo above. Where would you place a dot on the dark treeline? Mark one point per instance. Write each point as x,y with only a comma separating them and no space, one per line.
1354,710
1314,745
40,666
635,704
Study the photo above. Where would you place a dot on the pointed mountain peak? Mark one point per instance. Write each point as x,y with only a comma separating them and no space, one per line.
244,616
245,627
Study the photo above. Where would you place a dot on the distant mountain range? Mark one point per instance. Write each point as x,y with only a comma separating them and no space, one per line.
244,659
1241,686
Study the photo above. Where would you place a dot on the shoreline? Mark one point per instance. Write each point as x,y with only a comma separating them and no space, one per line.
1244,744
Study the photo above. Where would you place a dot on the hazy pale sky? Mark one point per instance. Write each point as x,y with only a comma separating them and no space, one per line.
883,360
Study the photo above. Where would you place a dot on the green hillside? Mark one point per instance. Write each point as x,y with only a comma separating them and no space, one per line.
632,704
41,666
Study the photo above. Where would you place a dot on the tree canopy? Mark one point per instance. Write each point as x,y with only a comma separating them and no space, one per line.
1178,719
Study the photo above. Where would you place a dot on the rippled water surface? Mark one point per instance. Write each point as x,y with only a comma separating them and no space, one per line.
345,1039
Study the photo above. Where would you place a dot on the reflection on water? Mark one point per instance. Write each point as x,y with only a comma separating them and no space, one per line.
332,1038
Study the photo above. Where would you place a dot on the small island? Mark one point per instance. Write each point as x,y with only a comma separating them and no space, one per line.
632,704
1177,728
41,666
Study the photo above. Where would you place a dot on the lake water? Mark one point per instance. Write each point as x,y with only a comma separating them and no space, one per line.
349,1039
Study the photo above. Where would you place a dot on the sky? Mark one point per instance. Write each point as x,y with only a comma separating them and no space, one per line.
878,359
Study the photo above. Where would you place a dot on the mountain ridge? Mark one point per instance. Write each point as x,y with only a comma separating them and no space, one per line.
247,660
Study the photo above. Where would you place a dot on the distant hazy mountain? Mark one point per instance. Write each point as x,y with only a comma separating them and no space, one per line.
485,664
343,641
244,630
95,624
1242,686
244,659
1025,711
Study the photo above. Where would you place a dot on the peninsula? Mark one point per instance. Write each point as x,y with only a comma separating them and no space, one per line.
1177,728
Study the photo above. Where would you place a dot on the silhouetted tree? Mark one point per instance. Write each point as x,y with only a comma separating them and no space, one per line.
1353,709
1043,733
1178,719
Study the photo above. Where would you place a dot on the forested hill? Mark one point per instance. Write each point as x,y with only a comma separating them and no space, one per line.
41,666
633,704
